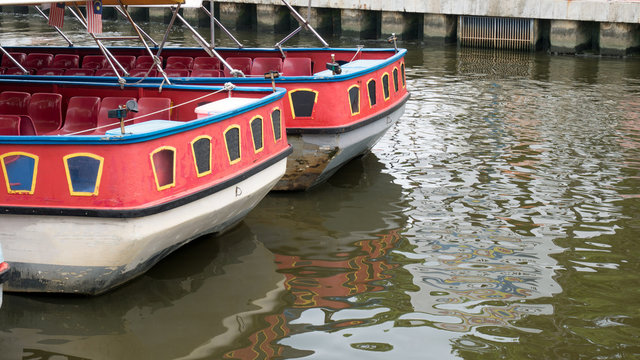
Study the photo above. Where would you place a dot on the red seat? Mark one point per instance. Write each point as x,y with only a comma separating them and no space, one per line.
14,103
239,63
93,62
262,65
17,71
143,72
177,72
296,67
206,73
105,72
20,57
111,103
38,61
179,62
127,61
145,62
66,61
82,114
9,124
79,72
50,71
155,108
206,62
45,109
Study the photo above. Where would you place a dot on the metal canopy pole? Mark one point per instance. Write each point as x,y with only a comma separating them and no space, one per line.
212,52
214,20
303,24
155,44
55,27
13,60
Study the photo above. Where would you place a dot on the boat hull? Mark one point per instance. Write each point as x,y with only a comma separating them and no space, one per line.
318,154
88,255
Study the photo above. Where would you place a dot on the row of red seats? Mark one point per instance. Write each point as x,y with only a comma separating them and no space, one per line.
41,113
48,64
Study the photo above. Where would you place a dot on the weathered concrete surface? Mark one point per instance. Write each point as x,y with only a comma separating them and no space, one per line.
624,11
440,27
360,23
404,25
272,18
619,39
569,37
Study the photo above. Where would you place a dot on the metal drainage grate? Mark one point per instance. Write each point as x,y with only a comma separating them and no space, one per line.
497,33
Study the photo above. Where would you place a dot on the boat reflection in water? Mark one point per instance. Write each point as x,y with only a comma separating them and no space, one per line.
208,293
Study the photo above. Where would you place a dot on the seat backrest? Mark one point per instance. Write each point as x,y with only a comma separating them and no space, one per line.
9,124
179,62
262,65
17,71
79,72
45,109
177,72
26,125
206,62
206,73
93,61
105,72
111,103
127,61
143,72
14,103
66,61
50,71
82,114
20,58
239,63
296,67
38,60
144,62
160,107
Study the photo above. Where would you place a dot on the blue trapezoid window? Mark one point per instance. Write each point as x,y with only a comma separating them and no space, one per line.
277,124
232,140
83,173
395,79
20,172
256,132
354,99
302,102
202,155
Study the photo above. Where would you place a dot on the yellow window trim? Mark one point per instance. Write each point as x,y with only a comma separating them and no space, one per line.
275,140
388,86
193,152
153,166
315,100
261,133
349,99
226,146
395,69
403,74
368,94
66,170
6,176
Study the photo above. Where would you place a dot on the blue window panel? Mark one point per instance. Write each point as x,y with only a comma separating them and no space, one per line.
20,171
83,173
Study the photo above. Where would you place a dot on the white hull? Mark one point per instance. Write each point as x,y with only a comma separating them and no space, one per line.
90,255
317,156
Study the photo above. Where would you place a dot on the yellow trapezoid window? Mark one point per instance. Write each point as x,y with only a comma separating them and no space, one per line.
20,170
385,86
276,123
201,149
232,142
163,163
354,99
302,102
257,133
371,90
395,79
84,171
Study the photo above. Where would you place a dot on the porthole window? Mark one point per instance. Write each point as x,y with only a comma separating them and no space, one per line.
395,79
201,149
354,99
385,86
403,75
257,133
20,170
232,141
163,162
84,172
302,102
276,122
371,90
